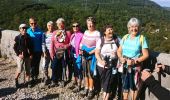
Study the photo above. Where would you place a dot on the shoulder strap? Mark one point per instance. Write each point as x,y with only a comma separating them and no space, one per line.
116,40
141,40
102,42
125,37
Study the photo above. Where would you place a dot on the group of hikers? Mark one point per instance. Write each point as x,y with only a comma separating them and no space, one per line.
95,61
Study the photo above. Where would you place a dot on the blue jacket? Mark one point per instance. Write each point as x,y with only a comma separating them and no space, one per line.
92,57
36,38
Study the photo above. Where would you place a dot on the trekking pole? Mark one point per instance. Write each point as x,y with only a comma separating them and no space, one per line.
124,75
24,81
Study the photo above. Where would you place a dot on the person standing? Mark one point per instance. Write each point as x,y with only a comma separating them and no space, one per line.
106,55
59,53
75,41
36,37
46,48
132,51
24,50
88,45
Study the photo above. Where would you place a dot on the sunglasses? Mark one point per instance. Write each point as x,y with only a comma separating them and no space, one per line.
23,27
75,26
33,23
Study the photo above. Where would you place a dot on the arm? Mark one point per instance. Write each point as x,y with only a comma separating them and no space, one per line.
160,92
98,57
154,86
144,56
119,54
43,45
30,46
52,47
16,46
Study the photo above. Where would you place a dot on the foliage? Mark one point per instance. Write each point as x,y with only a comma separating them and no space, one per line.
115,12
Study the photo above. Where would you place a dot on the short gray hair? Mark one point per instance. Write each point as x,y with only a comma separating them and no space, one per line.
59,20
50,23
133,21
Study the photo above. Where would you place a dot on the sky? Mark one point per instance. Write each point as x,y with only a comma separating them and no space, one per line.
163,3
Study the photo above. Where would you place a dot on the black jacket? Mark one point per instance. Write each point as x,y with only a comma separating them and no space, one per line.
154,86
23,44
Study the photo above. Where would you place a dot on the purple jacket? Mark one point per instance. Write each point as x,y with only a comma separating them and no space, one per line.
78,37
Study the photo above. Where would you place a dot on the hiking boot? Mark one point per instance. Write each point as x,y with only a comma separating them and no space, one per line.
62,84
77,89
84,93
53,84
16,83
90,94
29,85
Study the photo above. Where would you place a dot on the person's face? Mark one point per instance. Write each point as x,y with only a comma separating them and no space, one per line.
50,27
133,29
60,25
75,27
90,26
109,32
33,23
23,30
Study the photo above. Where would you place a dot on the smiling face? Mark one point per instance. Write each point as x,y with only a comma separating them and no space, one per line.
60,25
23,30
133,29
90,25
109,32
50,27
32,23
75,27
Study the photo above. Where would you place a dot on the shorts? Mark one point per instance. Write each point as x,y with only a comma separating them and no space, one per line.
23,63
108,80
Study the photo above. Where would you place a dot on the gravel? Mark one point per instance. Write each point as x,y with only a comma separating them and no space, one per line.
8,91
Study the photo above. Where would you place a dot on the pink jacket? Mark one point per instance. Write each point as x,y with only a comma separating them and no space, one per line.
56,44
78,37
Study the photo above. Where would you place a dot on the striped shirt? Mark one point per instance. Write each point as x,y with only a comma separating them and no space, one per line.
47,41
90,39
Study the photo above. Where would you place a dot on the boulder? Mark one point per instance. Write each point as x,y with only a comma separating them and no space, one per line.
7,43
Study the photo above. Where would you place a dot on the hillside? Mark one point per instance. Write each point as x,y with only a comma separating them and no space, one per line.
116,12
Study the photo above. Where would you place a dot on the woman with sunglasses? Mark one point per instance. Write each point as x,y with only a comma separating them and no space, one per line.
75,40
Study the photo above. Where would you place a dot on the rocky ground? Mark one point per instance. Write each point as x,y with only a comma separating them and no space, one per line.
8,91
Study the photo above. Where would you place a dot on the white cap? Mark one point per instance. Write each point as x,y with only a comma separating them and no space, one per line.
22,25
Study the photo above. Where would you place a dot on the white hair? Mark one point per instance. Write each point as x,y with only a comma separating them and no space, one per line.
50,23
133,21
59,20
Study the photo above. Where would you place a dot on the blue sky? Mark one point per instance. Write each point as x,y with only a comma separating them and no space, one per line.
164,3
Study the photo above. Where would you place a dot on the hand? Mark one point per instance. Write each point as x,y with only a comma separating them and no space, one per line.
145,75
122,60
80,52
21,56
102,62
130,62
31,57
158,67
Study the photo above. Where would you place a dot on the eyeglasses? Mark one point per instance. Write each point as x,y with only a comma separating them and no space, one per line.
75,26
33,23
23,27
